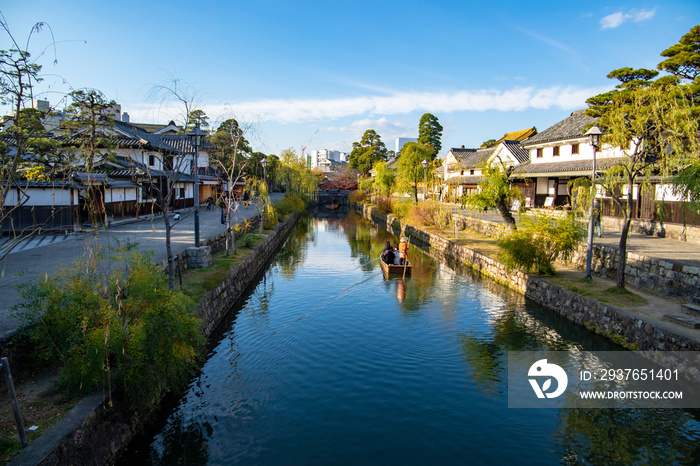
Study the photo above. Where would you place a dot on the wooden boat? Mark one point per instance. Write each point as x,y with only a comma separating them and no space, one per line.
395,270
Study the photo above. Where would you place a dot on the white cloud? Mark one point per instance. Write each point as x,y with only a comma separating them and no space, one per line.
516,99
380,125
616,19
612,21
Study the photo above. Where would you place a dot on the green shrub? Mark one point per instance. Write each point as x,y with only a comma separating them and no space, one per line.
366,184
402,208
126,328
539,241
250,240
359,196
291,203
384,204
431,214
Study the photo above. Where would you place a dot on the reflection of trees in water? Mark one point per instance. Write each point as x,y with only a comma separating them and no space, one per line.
294,251
584,436
364,243
183,442
257,307
512,330
627,436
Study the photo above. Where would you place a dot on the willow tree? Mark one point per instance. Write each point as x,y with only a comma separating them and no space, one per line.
495,191
293,173
410,170
385,180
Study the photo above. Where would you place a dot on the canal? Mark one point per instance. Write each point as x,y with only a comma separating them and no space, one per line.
327,362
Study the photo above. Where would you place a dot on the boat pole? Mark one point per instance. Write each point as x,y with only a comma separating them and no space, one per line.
405,261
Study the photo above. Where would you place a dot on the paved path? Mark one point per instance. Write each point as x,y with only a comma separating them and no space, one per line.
645,245
35,241
43,257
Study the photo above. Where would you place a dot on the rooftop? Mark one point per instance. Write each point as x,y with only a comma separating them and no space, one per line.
574,126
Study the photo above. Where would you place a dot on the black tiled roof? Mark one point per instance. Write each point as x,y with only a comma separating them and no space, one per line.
56,184
154,141
571,127
83,177
585,167
182,143
470,158
519,152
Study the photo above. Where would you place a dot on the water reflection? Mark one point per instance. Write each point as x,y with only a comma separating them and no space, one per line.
326,361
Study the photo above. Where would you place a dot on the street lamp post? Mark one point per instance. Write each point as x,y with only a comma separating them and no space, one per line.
594,134
196,138
425,179
264,163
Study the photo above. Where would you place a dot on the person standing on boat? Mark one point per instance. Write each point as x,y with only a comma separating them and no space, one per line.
403,250
388,253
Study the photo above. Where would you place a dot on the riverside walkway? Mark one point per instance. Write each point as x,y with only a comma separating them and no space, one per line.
43,258
653,247
671,250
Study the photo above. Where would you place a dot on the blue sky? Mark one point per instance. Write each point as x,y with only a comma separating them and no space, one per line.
292,68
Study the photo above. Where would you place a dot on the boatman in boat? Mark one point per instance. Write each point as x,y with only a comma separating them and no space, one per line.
388,253
403,250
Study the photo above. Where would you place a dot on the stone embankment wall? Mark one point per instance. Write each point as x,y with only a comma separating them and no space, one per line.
660,276
689,234
620,325
212,308
92,433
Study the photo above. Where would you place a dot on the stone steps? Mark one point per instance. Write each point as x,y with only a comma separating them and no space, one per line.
691,309
684,320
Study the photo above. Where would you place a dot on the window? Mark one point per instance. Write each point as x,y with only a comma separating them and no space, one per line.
182,193
151,160
540,153
555,151
462,172
471,172
574,149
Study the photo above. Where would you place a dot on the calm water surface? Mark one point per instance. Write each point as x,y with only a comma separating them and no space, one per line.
328,362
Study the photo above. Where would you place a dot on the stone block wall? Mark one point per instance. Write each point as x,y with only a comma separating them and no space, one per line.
605,319
659,276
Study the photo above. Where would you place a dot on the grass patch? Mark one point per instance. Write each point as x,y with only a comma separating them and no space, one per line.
600,292
198,282
470,239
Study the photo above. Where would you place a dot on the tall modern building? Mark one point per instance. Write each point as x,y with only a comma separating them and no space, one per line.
315,157
401,141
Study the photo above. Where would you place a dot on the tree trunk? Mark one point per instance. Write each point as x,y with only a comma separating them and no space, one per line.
622,261
505,213
168,248
230,236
